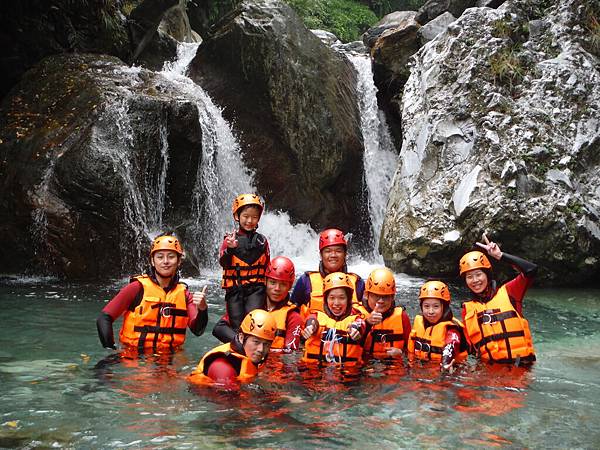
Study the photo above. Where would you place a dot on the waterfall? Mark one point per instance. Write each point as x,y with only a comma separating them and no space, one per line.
380,157
222,176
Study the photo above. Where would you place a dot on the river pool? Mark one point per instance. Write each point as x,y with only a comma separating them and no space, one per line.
60,389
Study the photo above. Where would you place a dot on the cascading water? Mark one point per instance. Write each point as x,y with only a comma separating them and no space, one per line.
222,176
380,157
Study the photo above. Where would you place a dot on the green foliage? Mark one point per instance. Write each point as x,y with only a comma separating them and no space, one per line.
506,67
347,19
383,7
592,25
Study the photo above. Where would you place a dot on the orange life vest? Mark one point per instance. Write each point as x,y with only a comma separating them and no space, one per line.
428,343
246,265
244,366
331,343
159,321
389,333
280,316
315,303
497,331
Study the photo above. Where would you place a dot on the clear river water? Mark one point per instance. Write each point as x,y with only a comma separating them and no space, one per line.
60,389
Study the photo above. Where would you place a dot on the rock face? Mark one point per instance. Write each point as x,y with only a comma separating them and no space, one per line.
88,167
293,101
501,120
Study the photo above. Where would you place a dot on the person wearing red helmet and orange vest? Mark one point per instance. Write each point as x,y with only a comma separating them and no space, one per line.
240,359
157,307
280,276
244,255
308,291
388,325
333,336
436,335
493,318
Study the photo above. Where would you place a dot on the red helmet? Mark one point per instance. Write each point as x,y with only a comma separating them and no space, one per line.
282,269
331,236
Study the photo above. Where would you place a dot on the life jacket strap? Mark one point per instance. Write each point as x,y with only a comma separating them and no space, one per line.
487,318
498,337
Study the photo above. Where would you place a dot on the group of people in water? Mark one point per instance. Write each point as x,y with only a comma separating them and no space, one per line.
331,315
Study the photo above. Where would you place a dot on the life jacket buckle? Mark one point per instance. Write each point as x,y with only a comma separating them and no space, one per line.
486,318
166,311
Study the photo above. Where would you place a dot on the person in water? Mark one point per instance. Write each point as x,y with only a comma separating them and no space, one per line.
240,359
334,335
387,325
280,275
157,307
308,291
436,335
493,318
244,255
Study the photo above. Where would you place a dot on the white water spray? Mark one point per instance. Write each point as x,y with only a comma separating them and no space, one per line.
380,158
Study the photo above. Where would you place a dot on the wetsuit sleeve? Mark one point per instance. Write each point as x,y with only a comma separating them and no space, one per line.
406,328
517,287
224,256
301,293
197,318
360,288
113,310
105,331
293,327
221,371
223,331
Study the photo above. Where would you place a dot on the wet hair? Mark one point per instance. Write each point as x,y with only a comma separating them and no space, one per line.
245,207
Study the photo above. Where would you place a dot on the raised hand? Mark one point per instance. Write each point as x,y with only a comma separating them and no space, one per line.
308,331
231,240
491,248
199,299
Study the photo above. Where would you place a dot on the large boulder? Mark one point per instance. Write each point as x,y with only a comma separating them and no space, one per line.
502,134
434,8
95,157
293,101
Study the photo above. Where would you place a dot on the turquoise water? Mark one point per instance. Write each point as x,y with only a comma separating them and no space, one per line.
60,389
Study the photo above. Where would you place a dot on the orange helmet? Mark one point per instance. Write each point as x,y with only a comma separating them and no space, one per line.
245,200
381,282
473,260
282,269
259,323
166,242
435,289
336,280
331,236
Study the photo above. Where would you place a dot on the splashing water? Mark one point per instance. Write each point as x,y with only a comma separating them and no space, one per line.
380,158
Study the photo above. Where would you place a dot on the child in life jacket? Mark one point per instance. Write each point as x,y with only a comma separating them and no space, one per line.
333,336
244,255
494,324
436,335
387,325
240,359
280,277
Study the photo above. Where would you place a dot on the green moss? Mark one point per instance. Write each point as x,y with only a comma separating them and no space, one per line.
347,19
507,68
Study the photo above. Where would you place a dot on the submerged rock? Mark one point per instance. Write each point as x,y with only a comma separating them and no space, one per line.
502,133
293,101
84,175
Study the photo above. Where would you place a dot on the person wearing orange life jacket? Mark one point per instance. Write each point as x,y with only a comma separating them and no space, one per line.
280,275
494,324
333,336
308,291
240,359
157,307
388,326
244,255
436,335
